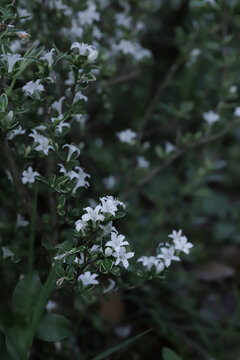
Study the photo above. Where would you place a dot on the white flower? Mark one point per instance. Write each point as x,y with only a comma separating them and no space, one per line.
83,48
237,111
195,53
81,178
109,205
33,88
122,256
72,149
169,147
167,254
132,48
95,249
107,229
44,145
42,141
79,96
80,260
12,59
210,117
7,253
57,105
80,225
142,162
176,235
148,261
9,176
182,244
126,136
233,89
88,279
160,267
51,305
21,222
61,125
28,176
108,251
93,214
81,119
123,20
109,182
15,132
117,241
88,16
72,174
92,56
48,57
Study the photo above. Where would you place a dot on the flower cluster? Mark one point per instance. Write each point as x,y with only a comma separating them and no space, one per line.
101,248
166,253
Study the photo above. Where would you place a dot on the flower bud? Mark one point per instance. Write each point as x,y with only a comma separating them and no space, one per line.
92,56
108,251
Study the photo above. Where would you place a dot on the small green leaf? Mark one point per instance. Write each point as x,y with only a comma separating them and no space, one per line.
43,179
61,180
3,102
119,214
54,327
169,354
106,265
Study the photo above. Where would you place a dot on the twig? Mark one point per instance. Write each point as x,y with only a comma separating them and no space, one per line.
160,89
23,194
176,155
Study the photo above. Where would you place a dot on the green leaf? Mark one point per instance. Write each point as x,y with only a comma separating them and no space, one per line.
14,342
61,180
169,354
120,346
3,102
21,290
43,179
54,327
106,265
119,215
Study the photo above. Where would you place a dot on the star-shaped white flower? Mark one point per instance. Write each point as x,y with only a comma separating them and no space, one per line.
28,176
168,255
33,88
122,257
88,279
110,205
117,241
72,149
126,136
48,57
80,225
93,214
211,117
182,244
12,59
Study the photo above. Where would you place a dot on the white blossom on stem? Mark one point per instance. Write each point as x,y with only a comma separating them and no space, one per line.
28,176
122,256
88,279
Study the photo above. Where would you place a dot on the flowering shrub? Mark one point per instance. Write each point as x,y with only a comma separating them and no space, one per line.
77,155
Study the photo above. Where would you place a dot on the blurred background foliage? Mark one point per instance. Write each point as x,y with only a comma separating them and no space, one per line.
196,310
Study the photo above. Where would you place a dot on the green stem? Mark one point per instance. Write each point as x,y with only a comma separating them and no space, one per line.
31,248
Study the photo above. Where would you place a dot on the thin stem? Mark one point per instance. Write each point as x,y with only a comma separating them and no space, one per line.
31,248
177,154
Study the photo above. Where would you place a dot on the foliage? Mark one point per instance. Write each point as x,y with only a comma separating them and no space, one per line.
113,109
